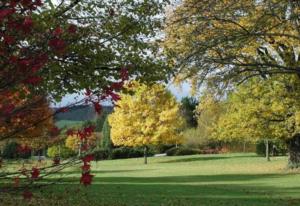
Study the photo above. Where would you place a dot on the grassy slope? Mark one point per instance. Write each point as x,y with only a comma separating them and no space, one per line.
233,179
68,123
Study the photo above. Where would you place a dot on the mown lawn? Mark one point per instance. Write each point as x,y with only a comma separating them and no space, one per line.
231,180
212,180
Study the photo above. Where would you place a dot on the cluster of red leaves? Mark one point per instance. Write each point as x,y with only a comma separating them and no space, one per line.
15,18
86,176
31,175
109,91
84,134
35,172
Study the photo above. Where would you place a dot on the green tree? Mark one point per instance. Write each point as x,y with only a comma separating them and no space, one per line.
146,115
106,142
100,121
188,107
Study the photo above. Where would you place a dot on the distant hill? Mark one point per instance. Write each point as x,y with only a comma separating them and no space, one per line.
80,113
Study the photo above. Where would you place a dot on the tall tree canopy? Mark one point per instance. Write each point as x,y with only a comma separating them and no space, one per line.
237,39
57,47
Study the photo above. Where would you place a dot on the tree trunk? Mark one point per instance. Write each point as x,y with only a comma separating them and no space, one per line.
294,152
145,155
267,150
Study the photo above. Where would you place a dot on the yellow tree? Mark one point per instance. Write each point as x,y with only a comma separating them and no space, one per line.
264,109
74,142
146,115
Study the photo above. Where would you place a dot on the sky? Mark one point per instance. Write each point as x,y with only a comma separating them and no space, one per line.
178,92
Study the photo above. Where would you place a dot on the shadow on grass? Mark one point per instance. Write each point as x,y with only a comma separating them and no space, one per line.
207,190
103,171
191,159
194,179
206,158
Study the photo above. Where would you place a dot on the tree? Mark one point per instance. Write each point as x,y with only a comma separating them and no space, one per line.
208,113
233,40
146,115
74,143
106,142
51,49
100,121
36,134
189,105
264,109
63,45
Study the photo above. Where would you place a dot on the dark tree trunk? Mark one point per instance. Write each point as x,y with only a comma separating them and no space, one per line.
294,152
145,154
267,150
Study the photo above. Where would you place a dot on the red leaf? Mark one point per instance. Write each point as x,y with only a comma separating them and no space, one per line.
86,167
57,32
117,85
115,96
63,110
86,178
89,130
88,92
57,44
38,2
98,107
33,80
56,160
70,132
124,74
27,24
72,29
8,108
5,12
9,40
35,173
88,158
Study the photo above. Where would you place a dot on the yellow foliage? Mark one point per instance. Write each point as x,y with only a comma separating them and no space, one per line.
222,39
262,109
146,115
73,142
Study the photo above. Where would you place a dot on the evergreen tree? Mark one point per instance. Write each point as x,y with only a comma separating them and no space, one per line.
106,142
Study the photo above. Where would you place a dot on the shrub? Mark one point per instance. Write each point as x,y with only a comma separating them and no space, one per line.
60,150
128,152
161,148
275,148
182,151
10,151
102,154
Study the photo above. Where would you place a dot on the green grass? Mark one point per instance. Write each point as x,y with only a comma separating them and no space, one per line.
231,179
68,123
